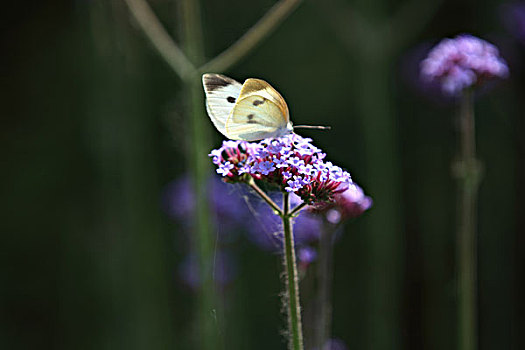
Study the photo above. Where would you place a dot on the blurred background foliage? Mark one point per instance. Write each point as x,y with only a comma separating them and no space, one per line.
93,129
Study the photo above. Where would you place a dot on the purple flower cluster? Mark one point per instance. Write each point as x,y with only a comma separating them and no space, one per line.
290,162
463,62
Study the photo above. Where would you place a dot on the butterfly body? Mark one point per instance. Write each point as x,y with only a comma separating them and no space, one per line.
250,111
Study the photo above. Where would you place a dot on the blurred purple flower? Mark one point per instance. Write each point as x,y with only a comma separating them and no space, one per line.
463,62
228,207
349,204
290,162
224,270
307,255
231,211
513,18
352,202
335,344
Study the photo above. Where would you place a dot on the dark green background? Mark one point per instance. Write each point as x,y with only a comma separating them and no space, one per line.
93,127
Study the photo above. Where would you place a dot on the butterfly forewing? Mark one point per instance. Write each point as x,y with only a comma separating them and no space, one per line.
221,95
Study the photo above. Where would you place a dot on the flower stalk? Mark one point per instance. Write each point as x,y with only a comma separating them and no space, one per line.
295,333
468,173
292,165
460,65
265,197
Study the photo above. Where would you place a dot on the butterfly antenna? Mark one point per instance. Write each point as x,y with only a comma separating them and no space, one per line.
318,127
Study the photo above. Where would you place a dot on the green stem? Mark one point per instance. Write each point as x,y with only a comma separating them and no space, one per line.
323,318
160,38
265,197
468,173
292,282
297,209
252,37
206,335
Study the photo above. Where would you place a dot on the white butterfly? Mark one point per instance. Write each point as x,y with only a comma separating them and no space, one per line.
250,111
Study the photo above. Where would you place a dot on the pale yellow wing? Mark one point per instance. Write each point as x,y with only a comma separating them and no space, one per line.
260,112
258,87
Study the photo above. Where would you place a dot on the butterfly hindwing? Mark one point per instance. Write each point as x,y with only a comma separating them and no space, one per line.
259,112
221,96
258,87
254,118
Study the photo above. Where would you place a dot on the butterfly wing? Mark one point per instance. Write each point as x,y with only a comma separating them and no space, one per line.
260,112
221,94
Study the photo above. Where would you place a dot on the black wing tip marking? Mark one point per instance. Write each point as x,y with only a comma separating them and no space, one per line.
213,82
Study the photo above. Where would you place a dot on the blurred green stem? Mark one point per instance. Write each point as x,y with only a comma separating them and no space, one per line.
160,38
182,65
295,332
206,334
468,172
323,319
264,27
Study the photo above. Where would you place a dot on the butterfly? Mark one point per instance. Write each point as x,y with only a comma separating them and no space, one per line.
250,111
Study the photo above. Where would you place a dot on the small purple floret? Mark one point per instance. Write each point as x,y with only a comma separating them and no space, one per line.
224,168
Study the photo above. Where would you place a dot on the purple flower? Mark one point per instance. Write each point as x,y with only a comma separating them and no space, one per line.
229,209
290,163
279,163
275,147
348,204
224,169
244,169
295,162
286,175
306,169
307,255
264,167
216,156
335,344
353,202
463,62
